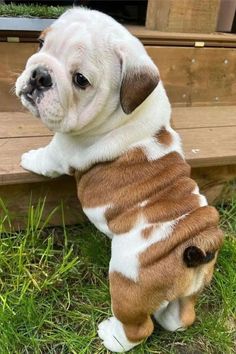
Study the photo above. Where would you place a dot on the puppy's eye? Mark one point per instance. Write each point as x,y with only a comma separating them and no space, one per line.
80,81
41,42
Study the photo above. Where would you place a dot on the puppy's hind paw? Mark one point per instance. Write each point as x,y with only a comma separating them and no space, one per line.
112,333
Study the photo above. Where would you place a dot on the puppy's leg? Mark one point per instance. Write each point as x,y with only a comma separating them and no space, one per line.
178,314
130,324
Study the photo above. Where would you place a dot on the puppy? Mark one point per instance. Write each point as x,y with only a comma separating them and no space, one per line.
93,84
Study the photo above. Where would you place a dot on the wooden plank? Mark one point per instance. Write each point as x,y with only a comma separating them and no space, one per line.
203,147
192,76
157,14
203,117
24,124
13,60
18,198
197,76
177,38
209,146
183,15
21,124
11,150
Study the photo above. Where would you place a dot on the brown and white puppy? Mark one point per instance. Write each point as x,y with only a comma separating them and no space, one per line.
94,85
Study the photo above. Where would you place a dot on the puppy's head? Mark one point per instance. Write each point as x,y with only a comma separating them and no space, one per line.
87,68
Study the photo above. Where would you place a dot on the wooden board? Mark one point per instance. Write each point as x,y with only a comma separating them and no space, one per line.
183,15
13,60
203,117
24,124
11,150
209,146
192,76
197,76
18,124
209,138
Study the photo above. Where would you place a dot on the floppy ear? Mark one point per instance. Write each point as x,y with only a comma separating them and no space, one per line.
139,76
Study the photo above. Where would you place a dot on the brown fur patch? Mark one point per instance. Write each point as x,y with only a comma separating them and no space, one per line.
187,311
136,86
131,179
164,137
148,231
200,226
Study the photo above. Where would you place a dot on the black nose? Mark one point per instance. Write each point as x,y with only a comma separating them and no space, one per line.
40,79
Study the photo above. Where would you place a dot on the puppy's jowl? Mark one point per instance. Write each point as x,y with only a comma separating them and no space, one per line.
93,84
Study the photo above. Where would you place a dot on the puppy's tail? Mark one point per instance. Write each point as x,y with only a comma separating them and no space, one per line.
194,256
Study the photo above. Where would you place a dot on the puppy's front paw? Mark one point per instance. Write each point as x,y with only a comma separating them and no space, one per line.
29,161
112,333
37,162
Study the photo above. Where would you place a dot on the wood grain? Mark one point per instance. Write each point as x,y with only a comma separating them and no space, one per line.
197,76
13,60
11,150
24,124
183,15
18,124
192,76
209,146
204,117
205,143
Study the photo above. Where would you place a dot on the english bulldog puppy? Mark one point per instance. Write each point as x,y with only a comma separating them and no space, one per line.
94,85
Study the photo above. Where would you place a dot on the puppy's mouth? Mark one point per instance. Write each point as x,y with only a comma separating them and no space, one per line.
30,101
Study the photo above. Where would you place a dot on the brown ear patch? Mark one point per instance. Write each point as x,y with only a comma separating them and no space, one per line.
136,86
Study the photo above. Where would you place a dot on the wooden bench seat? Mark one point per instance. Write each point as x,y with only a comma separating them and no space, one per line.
208,135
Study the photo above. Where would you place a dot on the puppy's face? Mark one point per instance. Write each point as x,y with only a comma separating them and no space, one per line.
88,68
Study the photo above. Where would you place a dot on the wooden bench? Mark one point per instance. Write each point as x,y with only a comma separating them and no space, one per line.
200,82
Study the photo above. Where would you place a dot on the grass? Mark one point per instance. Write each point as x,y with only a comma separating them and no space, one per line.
31,11
54,292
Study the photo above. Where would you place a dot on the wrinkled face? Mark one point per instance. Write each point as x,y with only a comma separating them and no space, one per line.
83,72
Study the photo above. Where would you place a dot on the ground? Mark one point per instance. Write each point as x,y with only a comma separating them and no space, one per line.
54,292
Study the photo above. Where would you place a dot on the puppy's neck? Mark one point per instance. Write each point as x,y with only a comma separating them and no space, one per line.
145,121
115,136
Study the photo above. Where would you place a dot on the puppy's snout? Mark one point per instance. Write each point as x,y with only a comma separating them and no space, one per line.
40,79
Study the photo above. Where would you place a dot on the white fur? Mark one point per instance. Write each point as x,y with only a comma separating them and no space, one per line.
126,248
168,316
154,150
80,152
112,333
97,217
197,282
